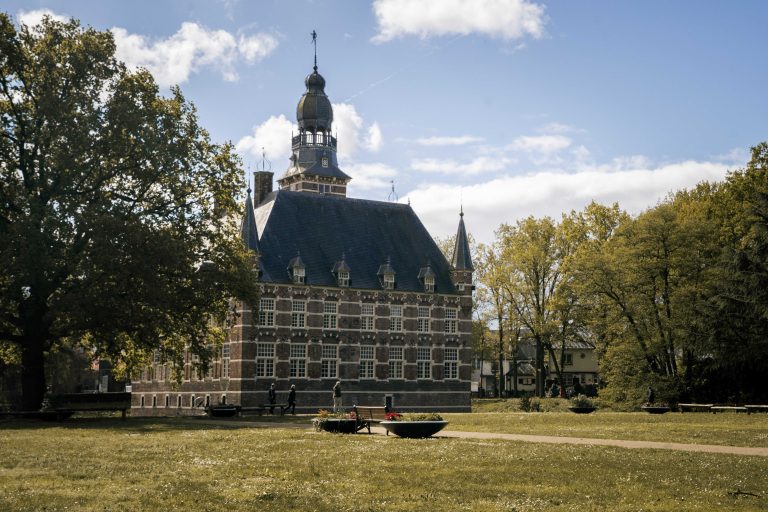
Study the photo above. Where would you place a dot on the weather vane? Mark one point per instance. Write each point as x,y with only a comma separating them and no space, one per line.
314,42
264,165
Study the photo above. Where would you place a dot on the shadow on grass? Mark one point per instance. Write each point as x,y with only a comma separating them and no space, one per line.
155,424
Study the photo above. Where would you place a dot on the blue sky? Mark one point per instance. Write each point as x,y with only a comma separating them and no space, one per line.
511,107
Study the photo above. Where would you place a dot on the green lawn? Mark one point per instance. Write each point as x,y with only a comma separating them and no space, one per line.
701,428
156,464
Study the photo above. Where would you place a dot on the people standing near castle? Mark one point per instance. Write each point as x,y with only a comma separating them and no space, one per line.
337,407
272,398
291,400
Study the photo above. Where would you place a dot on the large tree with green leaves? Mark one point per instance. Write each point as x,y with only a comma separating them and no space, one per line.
111,198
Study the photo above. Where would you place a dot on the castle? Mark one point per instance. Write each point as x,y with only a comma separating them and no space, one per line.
351,290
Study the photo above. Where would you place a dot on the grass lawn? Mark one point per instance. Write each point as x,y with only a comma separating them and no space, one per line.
701,428
182,464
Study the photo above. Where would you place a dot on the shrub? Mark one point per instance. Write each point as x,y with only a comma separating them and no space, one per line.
582,401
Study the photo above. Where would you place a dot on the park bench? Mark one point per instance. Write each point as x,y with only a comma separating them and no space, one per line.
262,408
695,407
366,415
756,408
68,403
725,408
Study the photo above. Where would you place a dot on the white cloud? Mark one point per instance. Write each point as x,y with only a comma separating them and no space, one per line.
374,139
35,17
448,141
540,143
479,165
274,135
255,48
190,49
503,19
368,176
509,198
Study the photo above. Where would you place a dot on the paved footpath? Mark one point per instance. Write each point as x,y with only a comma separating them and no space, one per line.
583,441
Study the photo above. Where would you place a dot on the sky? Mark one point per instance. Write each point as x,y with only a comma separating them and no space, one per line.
507,108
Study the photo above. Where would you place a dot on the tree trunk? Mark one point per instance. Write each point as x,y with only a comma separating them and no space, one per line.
32,375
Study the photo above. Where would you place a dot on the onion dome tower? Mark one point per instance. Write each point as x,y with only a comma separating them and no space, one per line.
314,167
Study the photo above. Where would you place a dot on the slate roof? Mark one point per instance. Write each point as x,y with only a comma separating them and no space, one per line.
462,259
323,228
248,230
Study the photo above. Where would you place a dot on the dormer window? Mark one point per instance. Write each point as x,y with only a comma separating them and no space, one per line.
427,278
341,271
386,275
297,270
324,161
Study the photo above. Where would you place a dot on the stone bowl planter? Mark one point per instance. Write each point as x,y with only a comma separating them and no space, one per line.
655,409
582,410
339,425
414,429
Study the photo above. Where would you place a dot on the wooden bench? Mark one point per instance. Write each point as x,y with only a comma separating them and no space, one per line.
756,408
68,403
725,408
695,407
366,415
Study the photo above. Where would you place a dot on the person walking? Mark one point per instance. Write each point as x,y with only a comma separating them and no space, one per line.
291,400
272,398
337,397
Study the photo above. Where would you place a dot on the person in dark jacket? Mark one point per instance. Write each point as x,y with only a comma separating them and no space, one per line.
272,398
337,407
291,400
650,396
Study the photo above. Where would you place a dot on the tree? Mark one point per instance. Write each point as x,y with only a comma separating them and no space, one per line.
112,197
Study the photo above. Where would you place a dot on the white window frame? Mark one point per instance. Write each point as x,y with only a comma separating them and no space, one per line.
330,315
367,362
265,360
267,312
429,284
389,281
451,364
423,363
298,360
367,316
343,278
451,320
298,314
299,275
329,362
396,363
395,318
422,321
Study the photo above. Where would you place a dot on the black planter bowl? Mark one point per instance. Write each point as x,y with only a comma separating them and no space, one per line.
414,429
339,425
222,411
655,409
582,410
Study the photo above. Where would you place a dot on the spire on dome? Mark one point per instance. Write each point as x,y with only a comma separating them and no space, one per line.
462,258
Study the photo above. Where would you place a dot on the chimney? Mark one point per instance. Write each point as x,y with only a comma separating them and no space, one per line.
262,186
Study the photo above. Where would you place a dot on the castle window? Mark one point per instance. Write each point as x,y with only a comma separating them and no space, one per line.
267,312
389,281
265,359
429,284
299,275
324,161
329,362
451,322
366,318
298,313
297,270
225,361
422,322
395,318
330,310
298,360
423,363
344,279
451,365
395,362
367,361
386,274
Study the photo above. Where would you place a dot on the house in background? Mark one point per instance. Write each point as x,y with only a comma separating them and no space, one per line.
351,290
